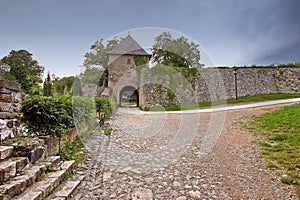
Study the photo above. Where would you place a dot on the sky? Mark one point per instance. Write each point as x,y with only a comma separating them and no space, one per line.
230,32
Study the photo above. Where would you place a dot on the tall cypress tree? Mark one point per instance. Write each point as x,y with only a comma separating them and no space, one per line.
47,89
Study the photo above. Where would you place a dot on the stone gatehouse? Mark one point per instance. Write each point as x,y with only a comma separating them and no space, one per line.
122,71
163,86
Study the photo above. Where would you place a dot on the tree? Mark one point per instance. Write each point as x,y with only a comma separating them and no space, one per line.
64,85
77,89
24,70
175,52
96,62
48,87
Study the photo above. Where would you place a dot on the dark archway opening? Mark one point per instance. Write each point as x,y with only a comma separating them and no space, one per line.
129,97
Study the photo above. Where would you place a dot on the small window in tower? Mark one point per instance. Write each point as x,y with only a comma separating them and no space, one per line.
128,61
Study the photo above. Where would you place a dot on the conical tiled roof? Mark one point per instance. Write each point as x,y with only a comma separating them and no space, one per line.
130,47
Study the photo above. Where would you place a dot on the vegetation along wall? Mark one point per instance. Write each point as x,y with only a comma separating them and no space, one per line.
163,87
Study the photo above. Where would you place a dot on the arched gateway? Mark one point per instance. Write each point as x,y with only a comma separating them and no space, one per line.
129,96
122,75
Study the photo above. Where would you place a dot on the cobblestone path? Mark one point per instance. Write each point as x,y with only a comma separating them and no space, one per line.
179,156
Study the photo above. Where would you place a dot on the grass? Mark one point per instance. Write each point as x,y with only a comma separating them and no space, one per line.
108,131
280,139
257,98
134,103
73,151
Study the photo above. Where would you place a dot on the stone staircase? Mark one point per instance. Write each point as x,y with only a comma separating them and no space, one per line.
34,176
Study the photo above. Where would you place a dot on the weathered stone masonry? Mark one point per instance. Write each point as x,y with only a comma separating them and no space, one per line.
10,98
163,85
211,84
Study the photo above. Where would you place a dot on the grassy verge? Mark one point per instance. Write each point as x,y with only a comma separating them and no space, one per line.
279,136
257,98
73,151
129,103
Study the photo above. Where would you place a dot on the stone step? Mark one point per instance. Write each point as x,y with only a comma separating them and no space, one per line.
29,176
10,167
65,190
44,187
5,152
54,161
32,148
19,183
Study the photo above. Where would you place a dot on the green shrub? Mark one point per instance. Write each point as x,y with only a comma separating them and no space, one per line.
83,109
45,115
103,105
53,116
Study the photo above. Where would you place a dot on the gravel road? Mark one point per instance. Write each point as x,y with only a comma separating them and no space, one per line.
179,156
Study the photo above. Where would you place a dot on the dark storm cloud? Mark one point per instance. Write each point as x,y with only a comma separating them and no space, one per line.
234,32
248,32
271,29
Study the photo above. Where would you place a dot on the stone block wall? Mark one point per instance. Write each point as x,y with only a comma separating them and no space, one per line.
10,99
212,84
55,144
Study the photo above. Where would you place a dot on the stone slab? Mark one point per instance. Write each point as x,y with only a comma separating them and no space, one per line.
5,152
53,160
31,175
68,188
7,98
68,165
32,148
8,170
6,134
12,189
45,186
58,175
10,85
59,198
31,195
3,124
6,107
21,163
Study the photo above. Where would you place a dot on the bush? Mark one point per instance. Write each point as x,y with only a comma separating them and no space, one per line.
103,105
45,115
53,116
83,109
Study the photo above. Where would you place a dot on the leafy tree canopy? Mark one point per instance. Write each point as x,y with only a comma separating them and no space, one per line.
96,62
24,70
97,57
175,52
64,85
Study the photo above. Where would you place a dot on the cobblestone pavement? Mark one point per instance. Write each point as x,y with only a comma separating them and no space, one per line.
179,156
